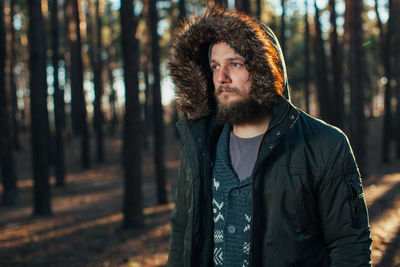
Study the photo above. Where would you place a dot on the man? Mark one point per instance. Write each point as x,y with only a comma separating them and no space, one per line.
260,182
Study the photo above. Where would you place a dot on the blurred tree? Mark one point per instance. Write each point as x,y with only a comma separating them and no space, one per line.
39,114
306,58
221,3
132,156
78,103
396,25
258,9
385,49
241,5
95,47
13,86
182,10
283,27
58,99
110,65
158,113
358,128
337,70
9,179
323,88
147,104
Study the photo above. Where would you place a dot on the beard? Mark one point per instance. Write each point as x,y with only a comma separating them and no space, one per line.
238,111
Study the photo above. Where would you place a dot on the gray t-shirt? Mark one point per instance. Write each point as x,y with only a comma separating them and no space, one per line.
243,153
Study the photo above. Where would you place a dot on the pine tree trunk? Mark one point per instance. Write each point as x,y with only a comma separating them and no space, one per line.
39,114
259,9
243,6
112,96
58,100
324,95
283,27
132,156
385,37
159,157
78,103
307,59
221,3
98,113
358,129
9,179
96,63
182,10
396,26
13,60
147,104
337,67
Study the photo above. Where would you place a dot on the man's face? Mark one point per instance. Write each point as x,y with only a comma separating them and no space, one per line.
230,76
232,85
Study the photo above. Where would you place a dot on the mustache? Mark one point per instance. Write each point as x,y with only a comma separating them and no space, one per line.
227,89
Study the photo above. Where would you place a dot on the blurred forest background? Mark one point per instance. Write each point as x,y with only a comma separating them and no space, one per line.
88,149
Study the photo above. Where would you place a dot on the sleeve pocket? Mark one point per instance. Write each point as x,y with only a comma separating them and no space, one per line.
359,213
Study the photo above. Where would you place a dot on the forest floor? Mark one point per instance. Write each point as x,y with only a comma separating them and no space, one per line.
85,228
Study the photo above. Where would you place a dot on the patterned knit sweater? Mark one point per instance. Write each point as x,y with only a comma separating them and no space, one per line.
232,210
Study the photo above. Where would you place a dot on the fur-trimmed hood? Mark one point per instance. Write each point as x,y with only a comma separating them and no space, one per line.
190,69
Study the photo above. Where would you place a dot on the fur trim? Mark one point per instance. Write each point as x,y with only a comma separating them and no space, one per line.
189,66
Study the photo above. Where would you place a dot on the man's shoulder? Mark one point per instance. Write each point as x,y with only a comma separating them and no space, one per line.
317,128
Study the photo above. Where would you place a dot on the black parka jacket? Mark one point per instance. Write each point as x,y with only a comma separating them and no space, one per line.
308,202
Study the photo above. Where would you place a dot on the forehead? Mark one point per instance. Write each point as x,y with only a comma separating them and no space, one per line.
222,51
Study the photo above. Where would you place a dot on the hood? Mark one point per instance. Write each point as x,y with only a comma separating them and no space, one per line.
191,72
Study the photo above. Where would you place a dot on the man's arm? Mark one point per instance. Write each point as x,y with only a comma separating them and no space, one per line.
343,211
178,218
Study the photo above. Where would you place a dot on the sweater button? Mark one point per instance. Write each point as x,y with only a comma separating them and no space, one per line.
235,192
271,146
291,116
231,229
278,133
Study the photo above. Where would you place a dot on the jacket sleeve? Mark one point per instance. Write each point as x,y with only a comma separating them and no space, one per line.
179,218
343,211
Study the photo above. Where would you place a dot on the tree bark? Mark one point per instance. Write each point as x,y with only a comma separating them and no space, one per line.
9,179
132,156
385,46
242,6
283,27
324,95
58,100
337,67
396,24
307,58
182,10
78,103
39,114
158,113
13,60
259,9
96,63
358,129
221,3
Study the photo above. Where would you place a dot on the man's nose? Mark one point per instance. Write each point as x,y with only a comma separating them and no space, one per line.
223,76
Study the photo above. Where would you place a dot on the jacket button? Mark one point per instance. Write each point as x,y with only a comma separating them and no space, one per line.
291,116
271,146
235,192
278,133
231,229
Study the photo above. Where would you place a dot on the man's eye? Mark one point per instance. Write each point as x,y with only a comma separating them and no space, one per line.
234,64
214,67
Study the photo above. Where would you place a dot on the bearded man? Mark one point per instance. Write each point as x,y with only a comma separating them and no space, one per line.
260,182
